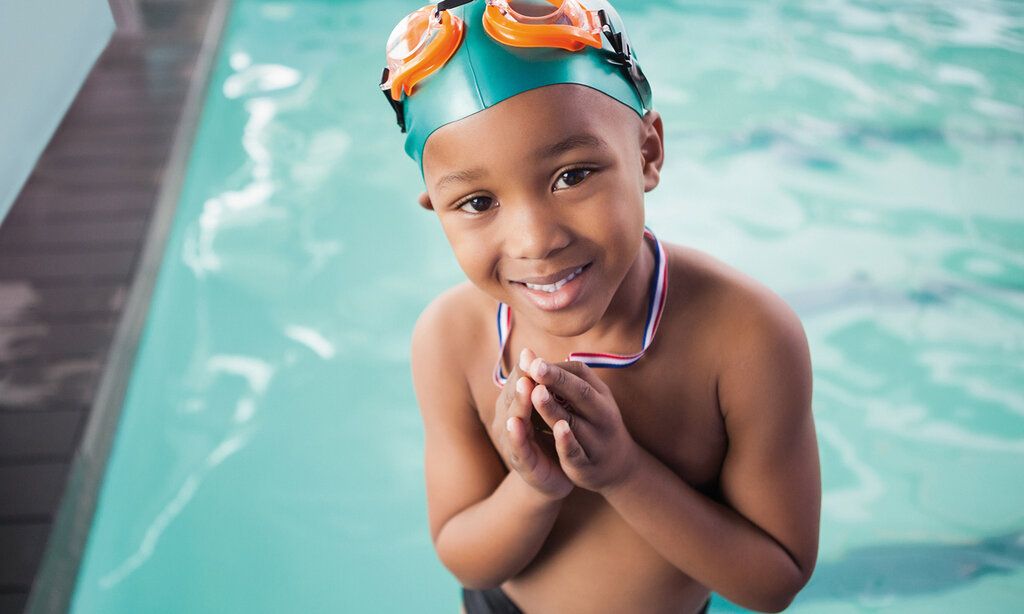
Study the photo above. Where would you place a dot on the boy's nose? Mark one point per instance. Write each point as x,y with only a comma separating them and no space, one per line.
534,233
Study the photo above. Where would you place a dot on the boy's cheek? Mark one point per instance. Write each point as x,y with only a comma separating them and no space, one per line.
480,271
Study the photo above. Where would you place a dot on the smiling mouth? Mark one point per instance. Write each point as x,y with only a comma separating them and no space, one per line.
556,286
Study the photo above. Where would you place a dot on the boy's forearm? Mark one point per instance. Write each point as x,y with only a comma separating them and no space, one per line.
706,540
493,540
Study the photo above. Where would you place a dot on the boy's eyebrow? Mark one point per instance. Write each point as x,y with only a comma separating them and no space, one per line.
570,143
545,152
461,176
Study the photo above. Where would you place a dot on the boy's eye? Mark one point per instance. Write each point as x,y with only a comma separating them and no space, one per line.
573,176
482,204
477,204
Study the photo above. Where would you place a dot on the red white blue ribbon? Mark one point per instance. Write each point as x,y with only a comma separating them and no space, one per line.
655,307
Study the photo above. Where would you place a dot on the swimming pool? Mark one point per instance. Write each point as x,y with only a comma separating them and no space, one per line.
862,161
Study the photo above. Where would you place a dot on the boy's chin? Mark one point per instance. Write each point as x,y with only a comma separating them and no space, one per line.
565,326
566,323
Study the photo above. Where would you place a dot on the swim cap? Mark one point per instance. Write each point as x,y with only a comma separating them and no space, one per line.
483,72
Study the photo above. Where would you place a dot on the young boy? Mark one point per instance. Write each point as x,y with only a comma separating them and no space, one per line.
674,453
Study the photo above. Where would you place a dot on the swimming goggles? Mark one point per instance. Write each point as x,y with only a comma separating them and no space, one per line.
427,38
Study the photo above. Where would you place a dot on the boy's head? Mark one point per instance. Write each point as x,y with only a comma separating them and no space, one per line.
542,181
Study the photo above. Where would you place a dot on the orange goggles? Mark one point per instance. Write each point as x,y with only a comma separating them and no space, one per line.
427,38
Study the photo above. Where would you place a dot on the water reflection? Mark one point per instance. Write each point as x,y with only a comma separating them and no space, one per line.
879,574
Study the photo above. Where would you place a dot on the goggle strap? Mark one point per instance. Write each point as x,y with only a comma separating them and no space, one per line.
395,104
447,5
623,57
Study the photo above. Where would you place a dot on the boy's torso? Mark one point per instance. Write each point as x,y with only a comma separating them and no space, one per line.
593,561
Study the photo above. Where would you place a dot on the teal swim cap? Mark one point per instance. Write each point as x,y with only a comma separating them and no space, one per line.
483,72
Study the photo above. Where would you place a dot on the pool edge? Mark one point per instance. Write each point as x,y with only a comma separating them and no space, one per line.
57,576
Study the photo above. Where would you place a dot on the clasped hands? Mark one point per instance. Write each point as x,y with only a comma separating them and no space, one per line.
592,448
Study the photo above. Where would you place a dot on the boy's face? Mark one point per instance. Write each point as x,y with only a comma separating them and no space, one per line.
539,185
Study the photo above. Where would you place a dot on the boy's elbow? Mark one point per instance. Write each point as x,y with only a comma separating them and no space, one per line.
472,579
778,603
785,593
467,571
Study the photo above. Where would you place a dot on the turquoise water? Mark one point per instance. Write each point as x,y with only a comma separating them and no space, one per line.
865,160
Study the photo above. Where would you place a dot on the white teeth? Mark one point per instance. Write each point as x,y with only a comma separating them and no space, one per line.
558,284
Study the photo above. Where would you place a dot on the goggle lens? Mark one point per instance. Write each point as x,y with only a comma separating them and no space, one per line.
411,35
536,11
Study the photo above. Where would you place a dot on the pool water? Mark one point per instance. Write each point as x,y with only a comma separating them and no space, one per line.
863,159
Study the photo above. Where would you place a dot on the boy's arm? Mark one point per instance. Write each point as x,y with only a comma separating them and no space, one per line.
486,523
760,549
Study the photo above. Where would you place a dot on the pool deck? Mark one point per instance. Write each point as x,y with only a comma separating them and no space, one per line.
70,252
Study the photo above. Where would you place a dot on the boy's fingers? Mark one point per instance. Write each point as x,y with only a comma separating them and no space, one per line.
583,371
577,391
514,437
504,406
522,406
520,409
508,391
525,358
568,446
552,410
521,452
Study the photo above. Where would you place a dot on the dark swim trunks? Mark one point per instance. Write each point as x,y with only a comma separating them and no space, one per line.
488,601
495,601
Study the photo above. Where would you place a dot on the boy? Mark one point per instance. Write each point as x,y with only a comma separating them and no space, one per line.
690,466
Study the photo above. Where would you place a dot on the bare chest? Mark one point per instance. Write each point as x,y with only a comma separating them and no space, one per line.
668,401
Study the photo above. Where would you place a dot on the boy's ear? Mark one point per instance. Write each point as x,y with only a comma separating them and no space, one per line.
652,149
424,202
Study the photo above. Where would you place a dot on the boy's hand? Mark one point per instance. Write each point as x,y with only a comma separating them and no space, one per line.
518,443
594,448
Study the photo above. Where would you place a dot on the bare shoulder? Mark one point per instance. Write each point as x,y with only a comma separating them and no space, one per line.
739,303
450,325
745,319
710,278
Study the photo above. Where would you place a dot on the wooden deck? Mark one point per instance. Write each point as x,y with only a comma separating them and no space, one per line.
69,252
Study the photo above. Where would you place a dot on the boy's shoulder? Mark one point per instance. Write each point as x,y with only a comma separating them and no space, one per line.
459,307
752,339
737,312
452,323
705,277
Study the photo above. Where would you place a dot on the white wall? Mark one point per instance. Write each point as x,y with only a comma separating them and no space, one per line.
47,48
